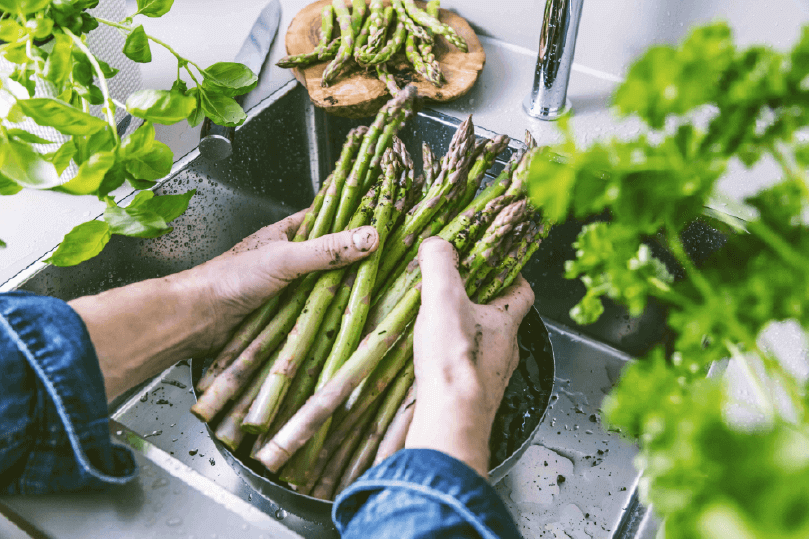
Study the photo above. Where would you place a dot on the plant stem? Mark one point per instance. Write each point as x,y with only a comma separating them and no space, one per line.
109,110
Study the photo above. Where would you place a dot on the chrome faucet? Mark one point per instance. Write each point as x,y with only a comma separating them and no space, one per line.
558,36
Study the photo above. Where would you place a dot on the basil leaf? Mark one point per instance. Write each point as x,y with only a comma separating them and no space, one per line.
140,184
43,26
154,165
101,141
57,114
84,242
135,220
160,106
90,175
139,143
27,168
16,54
63,156
8,186
198,115
113,179
230,78
92,94
108,71
11,31
24,136
2,244
82,68
136,47
154,8
223,110
23,6
169,207
58,65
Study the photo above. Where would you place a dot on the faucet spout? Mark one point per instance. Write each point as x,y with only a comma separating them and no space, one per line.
558,36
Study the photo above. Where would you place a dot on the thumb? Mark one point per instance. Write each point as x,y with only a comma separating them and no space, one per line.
327,252
441,282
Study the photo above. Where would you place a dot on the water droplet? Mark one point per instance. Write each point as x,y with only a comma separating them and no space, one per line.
193,452
119,432
211,461
153,434
174,522
281,514
144,398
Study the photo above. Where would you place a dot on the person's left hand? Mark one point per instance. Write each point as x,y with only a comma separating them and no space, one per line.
260,266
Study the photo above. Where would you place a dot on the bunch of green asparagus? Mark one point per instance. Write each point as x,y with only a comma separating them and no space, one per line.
373,40
322,374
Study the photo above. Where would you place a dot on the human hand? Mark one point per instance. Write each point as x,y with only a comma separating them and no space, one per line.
260,266
464,355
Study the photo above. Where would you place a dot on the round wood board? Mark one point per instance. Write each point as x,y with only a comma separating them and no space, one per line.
358,92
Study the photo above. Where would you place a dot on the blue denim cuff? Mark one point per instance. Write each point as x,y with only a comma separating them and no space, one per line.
422,493
53,408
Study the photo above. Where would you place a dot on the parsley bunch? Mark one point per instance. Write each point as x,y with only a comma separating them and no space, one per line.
45,41
706,103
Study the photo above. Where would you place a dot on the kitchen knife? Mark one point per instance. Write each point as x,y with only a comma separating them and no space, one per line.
216,142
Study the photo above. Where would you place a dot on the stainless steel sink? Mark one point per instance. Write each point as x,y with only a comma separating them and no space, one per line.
578,479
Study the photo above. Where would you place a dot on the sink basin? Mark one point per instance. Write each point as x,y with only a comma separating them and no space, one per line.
281,154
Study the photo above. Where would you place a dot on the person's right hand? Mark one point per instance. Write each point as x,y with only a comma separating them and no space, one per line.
464,355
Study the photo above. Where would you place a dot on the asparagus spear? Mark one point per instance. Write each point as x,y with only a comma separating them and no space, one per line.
305,59
320,406
308,373
377,32
486,250
387,137
368,58
323,223
510,266
357,176
229,430
362,35
257,320
358,14
426,49
365,452
321,49
235,376
342,453
428,161
489,152
410,25
415,58
347,37
384,74
456,161
435,26
355,315
300,340
394,439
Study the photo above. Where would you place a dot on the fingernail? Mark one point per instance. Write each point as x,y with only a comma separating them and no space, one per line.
364,238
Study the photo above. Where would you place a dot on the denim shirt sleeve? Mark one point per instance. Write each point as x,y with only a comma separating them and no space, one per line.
54,430
422,494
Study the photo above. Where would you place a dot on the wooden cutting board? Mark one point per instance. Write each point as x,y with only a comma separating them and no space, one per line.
358,92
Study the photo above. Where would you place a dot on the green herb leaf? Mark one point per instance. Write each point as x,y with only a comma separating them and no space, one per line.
3,245
135,220
23,6
198,115
170,207
25,136
230,78
57,114
136,47
11,30
100,141
84,242
24,166
154,8
62,157
222,110
138,143
154,165
108,71
113,179
160,106
90,175
8,186
58,66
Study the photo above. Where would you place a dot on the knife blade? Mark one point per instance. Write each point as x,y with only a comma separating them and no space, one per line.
216,142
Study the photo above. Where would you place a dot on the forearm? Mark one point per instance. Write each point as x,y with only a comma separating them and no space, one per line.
140,329
450,418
